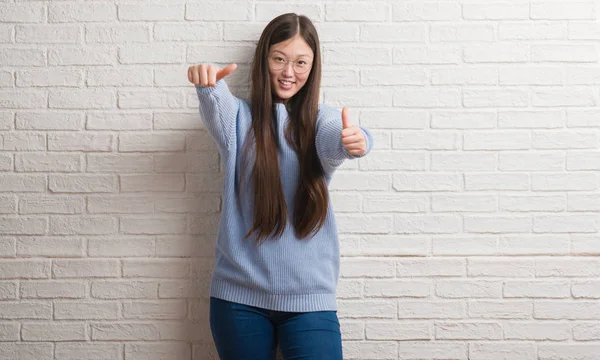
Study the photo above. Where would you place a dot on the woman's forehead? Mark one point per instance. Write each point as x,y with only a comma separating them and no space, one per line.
295,46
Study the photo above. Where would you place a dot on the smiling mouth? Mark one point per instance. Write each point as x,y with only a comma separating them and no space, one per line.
284,82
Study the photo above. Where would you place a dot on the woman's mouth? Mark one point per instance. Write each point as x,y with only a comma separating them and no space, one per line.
285,85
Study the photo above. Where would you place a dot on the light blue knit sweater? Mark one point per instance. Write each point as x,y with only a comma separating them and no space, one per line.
284,274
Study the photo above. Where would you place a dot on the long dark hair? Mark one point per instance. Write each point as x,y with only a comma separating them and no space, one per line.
311,199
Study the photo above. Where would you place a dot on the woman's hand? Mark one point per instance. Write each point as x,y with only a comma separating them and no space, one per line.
207,75
352,136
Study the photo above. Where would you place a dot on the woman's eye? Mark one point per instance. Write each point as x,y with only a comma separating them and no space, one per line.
279,59
302,62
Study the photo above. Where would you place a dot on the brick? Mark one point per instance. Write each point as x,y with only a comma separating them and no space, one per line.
534,244
463,203
152,54
49,121
566,310
367,268
496,98
531,119
580,223
86,310
430,267
24,269
385,245
8,290
587,289
26,351
49,78
426,182
501,350
495,181
47,34
49,247
429,54
501,267
394,76
251,31
120,204
22,13
82,99
457,289
532,31
505,140
153,225
431,350
462,32
431,309
82,55
80,142
23,225
48,162
398,331
124,289
345,55
156,351
496,11
563,53
22,99
394,160
161,268
547,10
82,183
373,33
465,245
579,351
359,11
585,245
150,12
492,309
144,99
122,247
22,183
497,224
88,350
124,331
463,119
124,76
51,205
155,310
574,181
539,331
117,33
530,161
375,288
49,289
22,57
426,11
8,205
468,331
375,309
463,161
70,12
151,142
212,11
563,97
536,289
85,268
89,225
119,121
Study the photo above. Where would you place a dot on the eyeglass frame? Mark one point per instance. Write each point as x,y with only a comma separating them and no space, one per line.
286,62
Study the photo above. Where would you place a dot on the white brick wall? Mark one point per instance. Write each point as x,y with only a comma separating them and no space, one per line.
470,232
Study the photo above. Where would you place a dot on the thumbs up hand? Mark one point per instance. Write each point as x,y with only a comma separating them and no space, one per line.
208,75
352,136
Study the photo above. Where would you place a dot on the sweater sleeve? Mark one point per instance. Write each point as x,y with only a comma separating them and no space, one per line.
218,111
330,149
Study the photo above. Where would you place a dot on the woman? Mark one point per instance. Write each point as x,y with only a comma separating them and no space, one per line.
277,251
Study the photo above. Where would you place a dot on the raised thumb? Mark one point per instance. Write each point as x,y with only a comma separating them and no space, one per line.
345,118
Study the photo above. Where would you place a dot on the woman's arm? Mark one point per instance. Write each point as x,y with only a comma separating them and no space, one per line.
218,106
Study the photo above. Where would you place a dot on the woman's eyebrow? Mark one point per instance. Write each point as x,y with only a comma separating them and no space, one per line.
300,55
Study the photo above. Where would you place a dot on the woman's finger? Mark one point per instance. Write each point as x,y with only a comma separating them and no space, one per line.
212,76
203,75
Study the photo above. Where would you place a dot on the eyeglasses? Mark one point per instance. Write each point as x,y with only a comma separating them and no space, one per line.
278,63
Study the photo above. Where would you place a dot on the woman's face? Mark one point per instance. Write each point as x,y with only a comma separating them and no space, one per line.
290,63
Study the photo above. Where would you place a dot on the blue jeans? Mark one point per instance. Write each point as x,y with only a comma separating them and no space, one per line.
244,332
